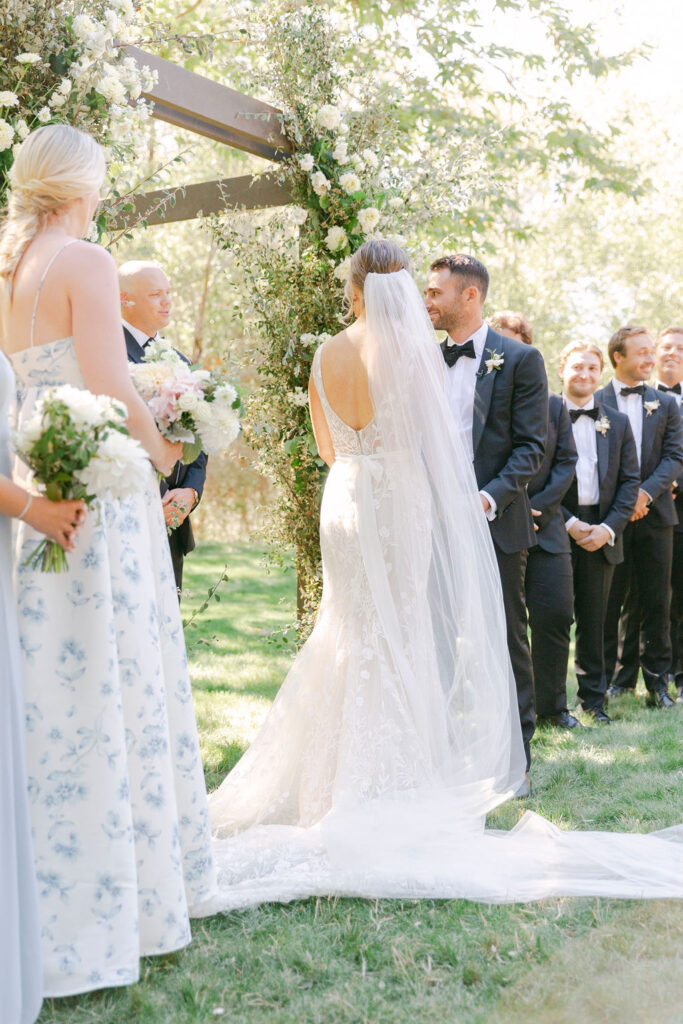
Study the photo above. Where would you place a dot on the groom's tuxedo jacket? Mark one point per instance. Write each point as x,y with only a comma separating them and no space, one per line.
550,482
618,478
193,475
509,428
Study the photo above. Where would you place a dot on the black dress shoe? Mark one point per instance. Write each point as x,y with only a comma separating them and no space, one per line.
658,698
598,715
525,788
619,691
564,720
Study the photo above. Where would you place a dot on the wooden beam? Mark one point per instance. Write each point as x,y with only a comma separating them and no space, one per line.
166,206
200,105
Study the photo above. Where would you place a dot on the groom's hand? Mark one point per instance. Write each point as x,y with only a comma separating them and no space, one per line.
485,503
177,505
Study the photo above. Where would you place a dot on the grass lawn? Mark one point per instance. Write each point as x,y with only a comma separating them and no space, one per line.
330,961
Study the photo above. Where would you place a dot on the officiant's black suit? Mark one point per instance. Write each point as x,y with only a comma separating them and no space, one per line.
181,540
619,480
644,576
509,428
548,581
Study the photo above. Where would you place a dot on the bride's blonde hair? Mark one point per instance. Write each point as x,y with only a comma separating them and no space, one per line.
377,256
53,166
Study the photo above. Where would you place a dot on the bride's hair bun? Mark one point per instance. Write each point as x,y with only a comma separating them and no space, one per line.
378,256
54,165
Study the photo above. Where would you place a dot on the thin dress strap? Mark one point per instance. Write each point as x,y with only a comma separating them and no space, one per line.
42,282
319,386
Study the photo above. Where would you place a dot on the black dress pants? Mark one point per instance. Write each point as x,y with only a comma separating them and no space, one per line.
550,604
592,581
637,628
512,568
677,609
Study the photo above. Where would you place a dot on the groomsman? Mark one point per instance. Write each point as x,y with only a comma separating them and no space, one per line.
669,373
645,574
596,510
146,308
548,580
498,393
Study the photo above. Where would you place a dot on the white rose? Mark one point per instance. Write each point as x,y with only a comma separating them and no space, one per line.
298,215
57,100
308,339
341,271
28,58
396,202
350,182
8,99
368,219
190,401
329,117
112,89
126,9
357,162
83,26
320,183
112,21
22,129
336,239
306,162
370,158
44,115
340,153
6,135
65,86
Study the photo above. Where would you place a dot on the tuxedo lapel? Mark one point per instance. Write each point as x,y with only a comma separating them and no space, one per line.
649,423
609,396
135,351
604,442
483,389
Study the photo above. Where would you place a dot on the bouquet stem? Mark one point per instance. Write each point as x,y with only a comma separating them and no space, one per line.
48,556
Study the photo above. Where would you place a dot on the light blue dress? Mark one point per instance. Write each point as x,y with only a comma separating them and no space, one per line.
21,981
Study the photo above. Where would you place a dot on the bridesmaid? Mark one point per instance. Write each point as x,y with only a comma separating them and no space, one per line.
117,796
21,976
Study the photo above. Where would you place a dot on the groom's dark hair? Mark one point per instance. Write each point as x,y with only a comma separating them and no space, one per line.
468,268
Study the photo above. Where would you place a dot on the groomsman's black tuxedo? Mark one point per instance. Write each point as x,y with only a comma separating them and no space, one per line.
642,581
548,583
677,585
619,480
509,427
181,540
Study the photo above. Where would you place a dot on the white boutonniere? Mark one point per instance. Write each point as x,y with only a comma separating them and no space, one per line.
495,362
602,425
651,407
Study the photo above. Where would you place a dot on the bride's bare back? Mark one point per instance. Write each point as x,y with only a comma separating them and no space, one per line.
345,379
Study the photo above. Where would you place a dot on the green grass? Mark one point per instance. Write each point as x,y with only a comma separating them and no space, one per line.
347,961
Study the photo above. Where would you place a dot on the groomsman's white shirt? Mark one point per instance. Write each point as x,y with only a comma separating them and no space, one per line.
632,405
587,478
461,380
679,398
139,335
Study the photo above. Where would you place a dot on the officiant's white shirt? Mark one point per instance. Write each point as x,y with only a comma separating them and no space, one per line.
461,380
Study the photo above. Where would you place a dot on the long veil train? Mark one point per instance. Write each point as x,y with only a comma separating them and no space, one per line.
397,730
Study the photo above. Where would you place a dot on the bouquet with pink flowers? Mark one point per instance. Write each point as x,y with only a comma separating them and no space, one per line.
198,407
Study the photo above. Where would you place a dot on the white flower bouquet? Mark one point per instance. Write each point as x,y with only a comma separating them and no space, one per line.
197,407
77,446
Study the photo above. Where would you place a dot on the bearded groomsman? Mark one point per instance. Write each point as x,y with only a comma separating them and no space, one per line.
146,310
548,579
596,509
669,375
645,574
498,392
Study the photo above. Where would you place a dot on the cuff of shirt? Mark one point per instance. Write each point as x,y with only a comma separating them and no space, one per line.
491,514
612,536
570,522
649,497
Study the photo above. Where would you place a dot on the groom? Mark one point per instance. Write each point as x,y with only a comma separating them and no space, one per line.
146,310
498,392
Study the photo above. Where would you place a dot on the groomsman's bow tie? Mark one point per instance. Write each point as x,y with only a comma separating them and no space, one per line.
147,340
639,389
575,413
675,388
452,353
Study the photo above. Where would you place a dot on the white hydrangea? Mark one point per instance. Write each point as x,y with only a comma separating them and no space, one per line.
336,239
6,135
44,115
329,117
8,99
340,153
119,468
368,219
22,129
28,58
341,271
370,158
320,183
306,162
396,202
350,182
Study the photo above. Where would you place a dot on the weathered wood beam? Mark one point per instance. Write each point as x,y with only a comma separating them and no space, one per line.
166,206
200,105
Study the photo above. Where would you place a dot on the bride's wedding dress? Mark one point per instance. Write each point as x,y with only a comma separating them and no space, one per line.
397,729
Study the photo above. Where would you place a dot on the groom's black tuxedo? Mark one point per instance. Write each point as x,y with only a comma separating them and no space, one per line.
181,540
641,584
509,428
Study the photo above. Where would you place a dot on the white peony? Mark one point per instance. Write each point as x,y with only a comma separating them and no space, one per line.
119,468
306,162
368,219
6,135
341,271
340,153
89,410
22,129
320,183
350,182
217,425
370,158
28,58
329,117
8,99
44,115
396,202
336,239
28,433
225,393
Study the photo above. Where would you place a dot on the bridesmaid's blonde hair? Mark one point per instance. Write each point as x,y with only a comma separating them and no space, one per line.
54,165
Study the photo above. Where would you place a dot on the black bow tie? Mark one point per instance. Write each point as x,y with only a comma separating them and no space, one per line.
452,353
675,388
639,389
575,413
147,340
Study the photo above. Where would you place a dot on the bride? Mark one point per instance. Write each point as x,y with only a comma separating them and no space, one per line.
397,730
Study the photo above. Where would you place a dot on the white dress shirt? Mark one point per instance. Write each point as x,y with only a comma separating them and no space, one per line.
461,379
139,335
679,398
587,477
632,405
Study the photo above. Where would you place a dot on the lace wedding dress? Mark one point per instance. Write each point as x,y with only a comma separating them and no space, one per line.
397,729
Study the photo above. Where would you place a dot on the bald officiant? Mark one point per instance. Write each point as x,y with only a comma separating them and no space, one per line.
146,310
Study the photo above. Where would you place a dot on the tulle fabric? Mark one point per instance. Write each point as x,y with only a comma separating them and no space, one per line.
397,728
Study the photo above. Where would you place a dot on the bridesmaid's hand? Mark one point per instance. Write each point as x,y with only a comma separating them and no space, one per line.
170,452
58,520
